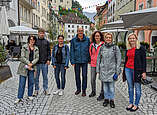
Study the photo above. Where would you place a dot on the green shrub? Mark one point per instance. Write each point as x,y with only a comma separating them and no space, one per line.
121,45
3,54
145,44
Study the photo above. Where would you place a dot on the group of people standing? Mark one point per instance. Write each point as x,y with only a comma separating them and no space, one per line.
103,56
35,57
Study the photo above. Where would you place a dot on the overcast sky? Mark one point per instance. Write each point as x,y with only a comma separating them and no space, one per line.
86,3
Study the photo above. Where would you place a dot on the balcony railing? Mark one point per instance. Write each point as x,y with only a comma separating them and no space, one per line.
29,3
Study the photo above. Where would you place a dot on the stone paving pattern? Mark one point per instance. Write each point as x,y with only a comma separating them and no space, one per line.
70,104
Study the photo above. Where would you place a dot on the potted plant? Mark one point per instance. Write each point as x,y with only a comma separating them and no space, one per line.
121,45
3,54
145,44
5,71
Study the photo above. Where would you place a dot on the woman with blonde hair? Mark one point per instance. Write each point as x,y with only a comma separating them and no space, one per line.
108,68
134,70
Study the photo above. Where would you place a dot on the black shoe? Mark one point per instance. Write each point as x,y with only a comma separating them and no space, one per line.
106,102
101,97
133,110
46,92
77,92
129,108
83,93
112,105
92,94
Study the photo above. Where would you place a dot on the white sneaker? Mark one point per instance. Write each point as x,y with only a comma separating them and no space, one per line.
17,101
56,92
35,93
61,92
30,98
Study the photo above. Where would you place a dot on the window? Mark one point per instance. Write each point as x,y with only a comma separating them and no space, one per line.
68,36
21,11
86,27
68,26
61,0
77,26
39,21
141,6
28,16
38,6
33,19
72,31
149,3
68,30
72,26
25,14
36,20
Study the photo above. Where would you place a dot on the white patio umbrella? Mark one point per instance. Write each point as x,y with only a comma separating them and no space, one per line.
22,30
4,26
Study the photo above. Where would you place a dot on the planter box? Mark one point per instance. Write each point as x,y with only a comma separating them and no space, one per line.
5,73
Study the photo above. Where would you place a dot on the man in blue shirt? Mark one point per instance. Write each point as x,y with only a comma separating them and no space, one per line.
79,57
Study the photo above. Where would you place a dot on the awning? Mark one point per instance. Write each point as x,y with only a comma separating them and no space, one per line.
146,17
4,27
23,30
114,25
114,30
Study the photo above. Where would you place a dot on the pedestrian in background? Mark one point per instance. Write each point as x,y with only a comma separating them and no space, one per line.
134,69
27,68
60,61
44,61
108,67
79,57
97,42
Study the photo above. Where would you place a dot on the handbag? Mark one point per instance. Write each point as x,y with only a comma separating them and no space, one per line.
143,81
123,75
115,76
5,73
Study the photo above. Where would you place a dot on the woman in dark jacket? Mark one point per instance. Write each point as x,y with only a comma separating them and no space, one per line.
134,70
60,61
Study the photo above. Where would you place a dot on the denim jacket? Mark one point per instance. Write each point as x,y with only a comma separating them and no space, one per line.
65,55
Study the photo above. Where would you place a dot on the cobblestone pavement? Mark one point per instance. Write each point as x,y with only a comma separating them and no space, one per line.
70,104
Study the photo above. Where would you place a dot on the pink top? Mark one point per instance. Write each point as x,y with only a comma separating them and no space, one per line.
94,53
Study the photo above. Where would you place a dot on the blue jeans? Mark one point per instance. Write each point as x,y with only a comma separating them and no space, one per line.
44,68
22,84
129,76
109,89
60,68
77,68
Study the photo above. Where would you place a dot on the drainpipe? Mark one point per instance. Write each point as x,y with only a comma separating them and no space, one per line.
18,12
134,5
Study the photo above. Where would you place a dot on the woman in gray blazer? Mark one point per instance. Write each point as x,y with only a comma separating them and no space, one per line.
108,68
27,68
